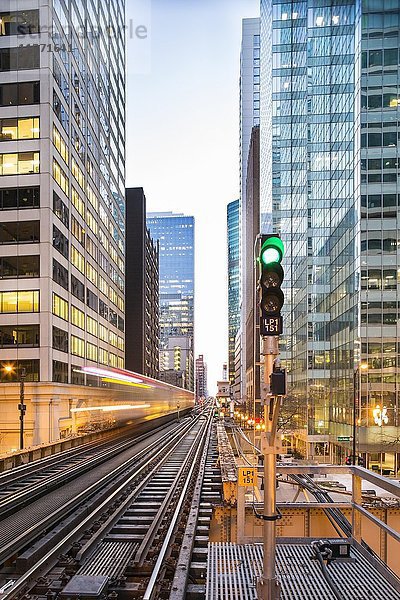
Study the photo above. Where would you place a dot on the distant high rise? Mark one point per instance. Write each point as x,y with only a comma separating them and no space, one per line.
201,378
329,178
233,282
142,294
249,118
175,233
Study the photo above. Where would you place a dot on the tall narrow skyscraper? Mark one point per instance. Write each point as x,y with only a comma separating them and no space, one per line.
249,118
201,378
62,170
233,231
175,233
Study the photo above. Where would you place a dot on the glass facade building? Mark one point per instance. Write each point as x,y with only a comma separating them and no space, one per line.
175,233
62,172
233,229
329,152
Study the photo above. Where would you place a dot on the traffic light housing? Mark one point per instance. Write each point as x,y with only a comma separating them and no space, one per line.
278,382
271,297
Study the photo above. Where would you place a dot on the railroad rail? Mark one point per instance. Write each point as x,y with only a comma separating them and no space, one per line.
123,538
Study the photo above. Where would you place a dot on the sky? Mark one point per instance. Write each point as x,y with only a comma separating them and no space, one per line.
183,59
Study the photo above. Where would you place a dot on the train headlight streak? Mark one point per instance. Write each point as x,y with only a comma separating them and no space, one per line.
110,408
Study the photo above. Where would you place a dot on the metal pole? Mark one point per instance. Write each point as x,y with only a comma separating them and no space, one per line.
21,407
268,588
355,394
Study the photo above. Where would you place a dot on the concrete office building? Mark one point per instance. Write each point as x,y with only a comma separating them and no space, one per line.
142,294
175,233
62,170
233,236
329,145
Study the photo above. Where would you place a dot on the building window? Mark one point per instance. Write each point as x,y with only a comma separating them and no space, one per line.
92,300
60,144
121,323
91,352
113,317
60,339
32,371
60,307
16,94
21,22
103,333
77,230
60,177
60,242
113,360
60,210
103,356
78,202
12,336
19,302
60,274
91,273
18,59
77,288
77,317
103,309
91,326
77,377
20,232
19,266
77,260
60,372
77,346
23,128
22,163
13,198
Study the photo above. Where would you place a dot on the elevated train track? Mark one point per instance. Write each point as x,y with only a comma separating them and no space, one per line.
117,534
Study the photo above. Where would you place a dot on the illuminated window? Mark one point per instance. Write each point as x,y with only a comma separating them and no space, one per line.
91,273
60,144
113,339
92,197
121,304
103,356
60,177
103,285
91,248
78,174
113,295
77,346
91,326
77,317
91,351
19,302
23,163
77,230
78,202
121,343
91,221
103,333
113,360
77,259
60,307
19,129
120,362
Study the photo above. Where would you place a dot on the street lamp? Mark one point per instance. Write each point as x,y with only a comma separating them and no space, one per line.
21,406
356,403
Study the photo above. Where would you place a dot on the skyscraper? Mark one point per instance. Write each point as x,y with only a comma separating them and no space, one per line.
142,294
329,137
233,227
175,233
201,378
249,118
62,170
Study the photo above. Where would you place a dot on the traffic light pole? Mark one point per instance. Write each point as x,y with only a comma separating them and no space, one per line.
268,586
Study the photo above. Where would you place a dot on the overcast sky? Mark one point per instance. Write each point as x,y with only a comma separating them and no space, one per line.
183,135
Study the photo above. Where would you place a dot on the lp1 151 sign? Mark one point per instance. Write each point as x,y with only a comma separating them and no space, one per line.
271,325
247,476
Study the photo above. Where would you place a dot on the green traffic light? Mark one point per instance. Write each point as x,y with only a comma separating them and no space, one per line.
272,250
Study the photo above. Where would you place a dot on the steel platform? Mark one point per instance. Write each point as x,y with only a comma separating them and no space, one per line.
233,570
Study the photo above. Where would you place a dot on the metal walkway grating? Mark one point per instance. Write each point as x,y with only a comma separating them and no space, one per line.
233,569
110,559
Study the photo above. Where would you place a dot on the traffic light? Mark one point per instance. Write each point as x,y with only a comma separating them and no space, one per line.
271,278
278,382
